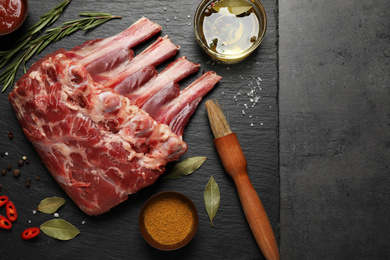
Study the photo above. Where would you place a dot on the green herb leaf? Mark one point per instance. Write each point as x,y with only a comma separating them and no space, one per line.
211,198
186,167
50,205
93,14
236,7
59,229
47,19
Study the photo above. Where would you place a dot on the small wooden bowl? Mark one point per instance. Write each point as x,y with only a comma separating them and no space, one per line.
168,194
19,22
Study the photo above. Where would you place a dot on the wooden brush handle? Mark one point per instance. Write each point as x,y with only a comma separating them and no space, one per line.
234,162
257,217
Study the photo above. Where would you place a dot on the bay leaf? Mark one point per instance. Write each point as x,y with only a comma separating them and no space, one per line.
236,7
50,205
186,167
59,229
211,198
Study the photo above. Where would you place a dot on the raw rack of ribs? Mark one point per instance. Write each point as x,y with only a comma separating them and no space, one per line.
104,122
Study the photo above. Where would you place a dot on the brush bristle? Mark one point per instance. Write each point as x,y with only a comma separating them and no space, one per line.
218,123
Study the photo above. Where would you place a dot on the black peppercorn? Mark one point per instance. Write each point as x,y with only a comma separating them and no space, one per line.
28,183
20,162
37,178
16,173
9,167
3,171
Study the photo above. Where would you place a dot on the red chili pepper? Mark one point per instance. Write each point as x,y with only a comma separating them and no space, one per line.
30,233
12,215
3,200
5,223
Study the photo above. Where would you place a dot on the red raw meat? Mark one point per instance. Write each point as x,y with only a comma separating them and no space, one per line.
106,123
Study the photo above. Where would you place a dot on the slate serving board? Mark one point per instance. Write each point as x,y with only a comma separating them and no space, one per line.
115,235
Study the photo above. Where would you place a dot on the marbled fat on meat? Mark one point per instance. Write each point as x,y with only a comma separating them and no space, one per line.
106,133
100,147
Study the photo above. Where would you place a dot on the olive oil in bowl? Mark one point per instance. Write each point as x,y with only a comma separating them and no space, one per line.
229,30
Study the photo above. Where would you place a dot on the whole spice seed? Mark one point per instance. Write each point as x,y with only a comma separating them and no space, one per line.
28,183
10,135
9,167
3,171
168,220
20,162
16,173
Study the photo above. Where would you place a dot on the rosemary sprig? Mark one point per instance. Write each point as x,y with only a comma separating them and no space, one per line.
91,20
46,20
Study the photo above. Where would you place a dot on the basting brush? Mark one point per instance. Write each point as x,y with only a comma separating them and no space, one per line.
235,165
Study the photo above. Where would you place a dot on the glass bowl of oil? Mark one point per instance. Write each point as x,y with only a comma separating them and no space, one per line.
230,30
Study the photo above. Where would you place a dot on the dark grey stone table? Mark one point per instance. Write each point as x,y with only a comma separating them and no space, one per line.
334,97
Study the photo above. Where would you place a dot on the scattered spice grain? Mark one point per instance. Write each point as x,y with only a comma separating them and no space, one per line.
3,171
37,178
168,220
28,183
9,167
10,135
20,163
16,173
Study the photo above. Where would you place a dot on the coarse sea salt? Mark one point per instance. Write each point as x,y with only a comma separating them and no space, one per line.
250,90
